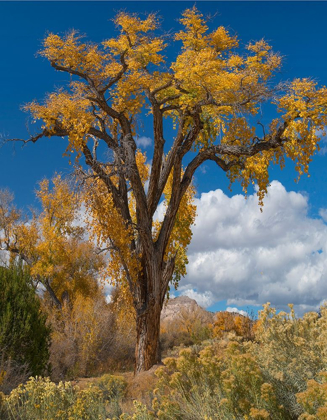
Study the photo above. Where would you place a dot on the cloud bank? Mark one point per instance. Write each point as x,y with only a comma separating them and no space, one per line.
247,257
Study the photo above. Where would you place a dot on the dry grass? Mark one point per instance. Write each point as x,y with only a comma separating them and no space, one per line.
11,374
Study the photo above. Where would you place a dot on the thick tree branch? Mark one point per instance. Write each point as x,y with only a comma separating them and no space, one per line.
169,98
97,168
157,158
69,70
169,108
52,294
167,165
167,276
160,88
103,136
142,214
118,75
213,152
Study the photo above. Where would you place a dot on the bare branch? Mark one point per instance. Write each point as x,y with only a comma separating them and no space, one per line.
69,70
34,139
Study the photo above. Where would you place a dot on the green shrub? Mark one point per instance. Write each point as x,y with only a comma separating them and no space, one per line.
112,386
24,336
113,389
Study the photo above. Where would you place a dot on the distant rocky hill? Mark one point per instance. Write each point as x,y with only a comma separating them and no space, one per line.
181,305
184,322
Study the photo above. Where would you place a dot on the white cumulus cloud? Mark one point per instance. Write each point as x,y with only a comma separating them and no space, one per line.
236,311
323,141
203,299
143,141
247,257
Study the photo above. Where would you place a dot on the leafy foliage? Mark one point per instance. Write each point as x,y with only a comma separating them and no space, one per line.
83,337
212,93
51,242
24,336
226,322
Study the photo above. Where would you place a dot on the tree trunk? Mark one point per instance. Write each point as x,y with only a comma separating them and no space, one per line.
52,294
147,352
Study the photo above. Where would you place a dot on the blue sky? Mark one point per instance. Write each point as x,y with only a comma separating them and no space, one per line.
297,30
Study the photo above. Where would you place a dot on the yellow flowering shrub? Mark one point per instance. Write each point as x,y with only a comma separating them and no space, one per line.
221,381
291,351
140,413
280,375
112,386
314,398
41,399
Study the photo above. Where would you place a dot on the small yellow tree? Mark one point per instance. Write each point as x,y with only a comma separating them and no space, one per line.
212,92
51,243
241,325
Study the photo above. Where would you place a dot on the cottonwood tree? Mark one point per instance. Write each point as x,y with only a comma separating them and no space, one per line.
51,243
212,92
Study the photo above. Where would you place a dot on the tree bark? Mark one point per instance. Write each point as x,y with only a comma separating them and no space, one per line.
147,351
52,294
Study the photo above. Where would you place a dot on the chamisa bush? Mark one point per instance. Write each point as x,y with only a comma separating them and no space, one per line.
292,355
282,374
221,381
41,399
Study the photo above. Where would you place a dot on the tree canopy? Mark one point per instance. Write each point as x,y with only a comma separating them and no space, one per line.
212,92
